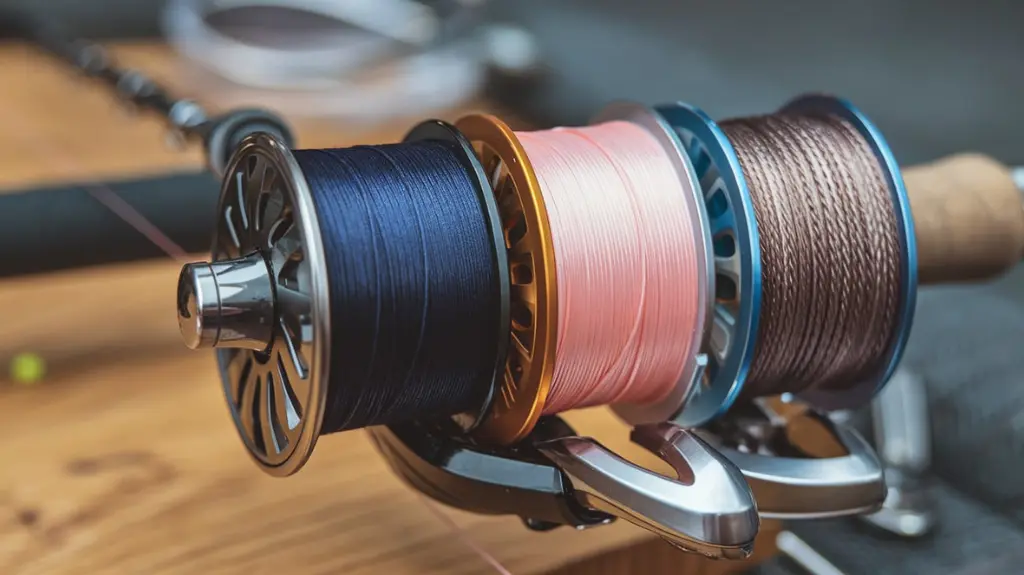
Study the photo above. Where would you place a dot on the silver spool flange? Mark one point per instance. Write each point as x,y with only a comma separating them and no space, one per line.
262,303
696,362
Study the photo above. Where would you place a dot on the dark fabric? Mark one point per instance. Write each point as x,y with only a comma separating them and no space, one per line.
969,536
968,345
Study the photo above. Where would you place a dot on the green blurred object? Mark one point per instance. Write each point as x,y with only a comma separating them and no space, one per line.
27,368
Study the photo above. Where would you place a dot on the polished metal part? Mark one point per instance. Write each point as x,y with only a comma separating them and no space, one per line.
262,304
697,359
790,483
902,426
792,546
909,509
902,431
709,509
227,304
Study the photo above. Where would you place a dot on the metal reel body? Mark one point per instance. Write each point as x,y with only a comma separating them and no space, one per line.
514,480
555,477
799,463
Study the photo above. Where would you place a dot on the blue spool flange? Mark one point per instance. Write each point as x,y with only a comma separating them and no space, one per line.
730,211
819,105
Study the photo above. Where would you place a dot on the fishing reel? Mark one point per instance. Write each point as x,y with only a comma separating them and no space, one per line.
262,303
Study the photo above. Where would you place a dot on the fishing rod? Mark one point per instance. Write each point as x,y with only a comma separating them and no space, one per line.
107,227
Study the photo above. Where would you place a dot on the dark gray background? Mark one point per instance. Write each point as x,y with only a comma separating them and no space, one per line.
938,76
99,18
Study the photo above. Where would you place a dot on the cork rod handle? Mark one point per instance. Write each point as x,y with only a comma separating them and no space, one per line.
968,218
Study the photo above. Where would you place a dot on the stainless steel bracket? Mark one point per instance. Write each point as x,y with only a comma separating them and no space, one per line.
770,441
902,432
708,509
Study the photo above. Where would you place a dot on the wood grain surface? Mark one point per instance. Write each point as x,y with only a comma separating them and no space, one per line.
123,459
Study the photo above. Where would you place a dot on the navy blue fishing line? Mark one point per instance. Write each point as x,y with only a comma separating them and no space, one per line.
413,285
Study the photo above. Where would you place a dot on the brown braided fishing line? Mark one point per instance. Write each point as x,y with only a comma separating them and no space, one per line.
830,253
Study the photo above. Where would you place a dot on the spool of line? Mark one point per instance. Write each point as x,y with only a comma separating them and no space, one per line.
412,283
621,246
388,290
819,289
829,252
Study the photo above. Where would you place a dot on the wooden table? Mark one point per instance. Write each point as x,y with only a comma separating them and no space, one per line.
124,460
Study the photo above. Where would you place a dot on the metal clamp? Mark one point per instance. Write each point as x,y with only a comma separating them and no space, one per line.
556,477
708,510
437,461
792,481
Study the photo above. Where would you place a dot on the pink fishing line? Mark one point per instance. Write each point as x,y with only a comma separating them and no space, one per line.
626,264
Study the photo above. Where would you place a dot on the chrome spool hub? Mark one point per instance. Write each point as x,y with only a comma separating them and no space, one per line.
262,304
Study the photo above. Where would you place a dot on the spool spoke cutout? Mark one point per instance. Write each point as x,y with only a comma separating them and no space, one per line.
288,409
292,353
239,368
247,404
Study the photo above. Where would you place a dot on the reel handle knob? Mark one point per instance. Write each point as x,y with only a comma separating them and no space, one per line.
968,218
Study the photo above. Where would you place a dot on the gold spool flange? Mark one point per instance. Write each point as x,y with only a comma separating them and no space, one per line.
534,309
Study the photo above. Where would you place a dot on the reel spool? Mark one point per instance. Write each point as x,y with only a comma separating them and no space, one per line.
738,260
788,482
534,296
263,301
